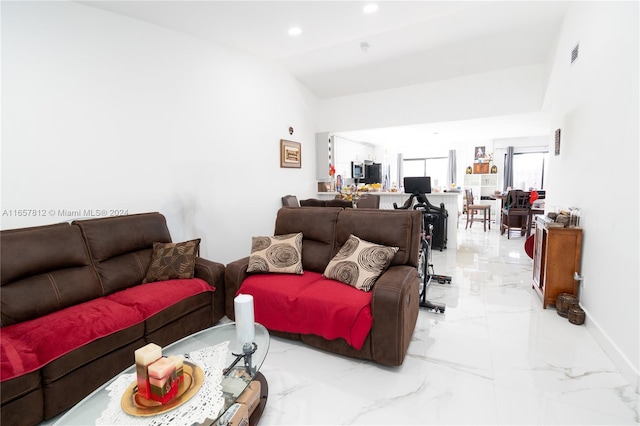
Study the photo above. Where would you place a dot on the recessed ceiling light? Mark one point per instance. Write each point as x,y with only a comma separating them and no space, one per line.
294,31
370,8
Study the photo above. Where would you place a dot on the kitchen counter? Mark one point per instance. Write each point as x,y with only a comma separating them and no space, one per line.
451,202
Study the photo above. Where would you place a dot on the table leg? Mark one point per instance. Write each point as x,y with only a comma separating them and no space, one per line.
264,394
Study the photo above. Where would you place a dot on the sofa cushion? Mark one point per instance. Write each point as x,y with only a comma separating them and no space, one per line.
151,298
359,263
303,303
29,345
171,261
22,400
44,269
280,253
121,247
32,344
394,228
318,227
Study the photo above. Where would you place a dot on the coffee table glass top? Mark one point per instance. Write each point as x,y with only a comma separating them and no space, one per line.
91,407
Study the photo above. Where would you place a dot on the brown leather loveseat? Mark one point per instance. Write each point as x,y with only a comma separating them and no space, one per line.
394,300
74,308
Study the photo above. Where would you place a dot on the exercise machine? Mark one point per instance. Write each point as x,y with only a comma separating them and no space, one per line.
426,273
418,187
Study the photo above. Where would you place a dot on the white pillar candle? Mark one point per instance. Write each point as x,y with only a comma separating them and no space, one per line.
245,324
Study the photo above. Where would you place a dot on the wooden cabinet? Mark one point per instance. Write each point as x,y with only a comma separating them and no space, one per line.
481,168
556,257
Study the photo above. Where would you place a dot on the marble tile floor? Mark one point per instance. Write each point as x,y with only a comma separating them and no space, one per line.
494,357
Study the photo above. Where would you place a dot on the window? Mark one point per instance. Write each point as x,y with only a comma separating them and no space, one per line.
435,167
529,169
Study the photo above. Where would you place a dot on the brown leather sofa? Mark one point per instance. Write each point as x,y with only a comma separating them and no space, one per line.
48,271
395,301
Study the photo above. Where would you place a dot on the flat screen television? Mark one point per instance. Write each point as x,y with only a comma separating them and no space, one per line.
417,185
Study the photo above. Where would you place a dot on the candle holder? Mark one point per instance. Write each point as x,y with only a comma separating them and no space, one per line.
248,349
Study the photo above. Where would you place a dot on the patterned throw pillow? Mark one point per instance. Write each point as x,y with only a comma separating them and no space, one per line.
171,261
281,253
359,263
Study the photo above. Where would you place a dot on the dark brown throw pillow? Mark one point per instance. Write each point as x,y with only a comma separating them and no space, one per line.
171,261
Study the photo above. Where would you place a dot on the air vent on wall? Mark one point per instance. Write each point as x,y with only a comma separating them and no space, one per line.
574,53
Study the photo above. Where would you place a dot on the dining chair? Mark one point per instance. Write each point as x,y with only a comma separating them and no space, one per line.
473,209
516,212
290,201
368,201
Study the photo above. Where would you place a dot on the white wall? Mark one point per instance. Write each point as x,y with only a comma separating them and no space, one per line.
100,111
504,92
595,104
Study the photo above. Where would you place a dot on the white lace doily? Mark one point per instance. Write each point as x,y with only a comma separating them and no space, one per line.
206,403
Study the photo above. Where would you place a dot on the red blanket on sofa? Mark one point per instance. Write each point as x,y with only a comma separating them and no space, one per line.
310,304
29,345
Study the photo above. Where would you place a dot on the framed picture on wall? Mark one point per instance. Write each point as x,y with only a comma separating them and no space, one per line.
479,152
290,154
557,150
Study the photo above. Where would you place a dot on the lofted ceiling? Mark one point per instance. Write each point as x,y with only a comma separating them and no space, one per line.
409,42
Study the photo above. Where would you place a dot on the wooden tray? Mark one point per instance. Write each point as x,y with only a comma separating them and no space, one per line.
134,404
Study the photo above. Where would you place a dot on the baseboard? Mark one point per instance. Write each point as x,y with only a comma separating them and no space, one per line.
622,363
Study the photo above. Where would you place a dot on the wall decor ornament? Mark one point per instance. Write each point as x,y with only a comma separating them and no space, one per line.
290,154
469,170
494,169
557,140
479,152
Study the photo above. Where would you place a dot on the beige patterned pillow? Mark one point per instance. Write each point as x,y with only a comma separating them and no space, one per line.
172,261
281,253
359,263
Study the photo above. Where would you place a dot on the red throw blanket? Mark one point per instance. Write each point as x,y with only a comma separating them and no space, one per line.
30,345
310,304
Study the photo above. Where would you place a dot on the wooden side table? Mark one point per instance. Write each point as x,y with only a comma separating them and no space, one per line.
556,258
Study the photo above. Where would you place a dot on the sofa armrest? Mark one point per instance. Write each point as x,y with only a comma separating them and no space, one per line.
213,273
394,307
234,274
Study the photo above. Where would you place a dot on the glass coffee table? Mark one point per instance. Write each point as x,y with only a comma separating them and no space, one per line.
93,407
